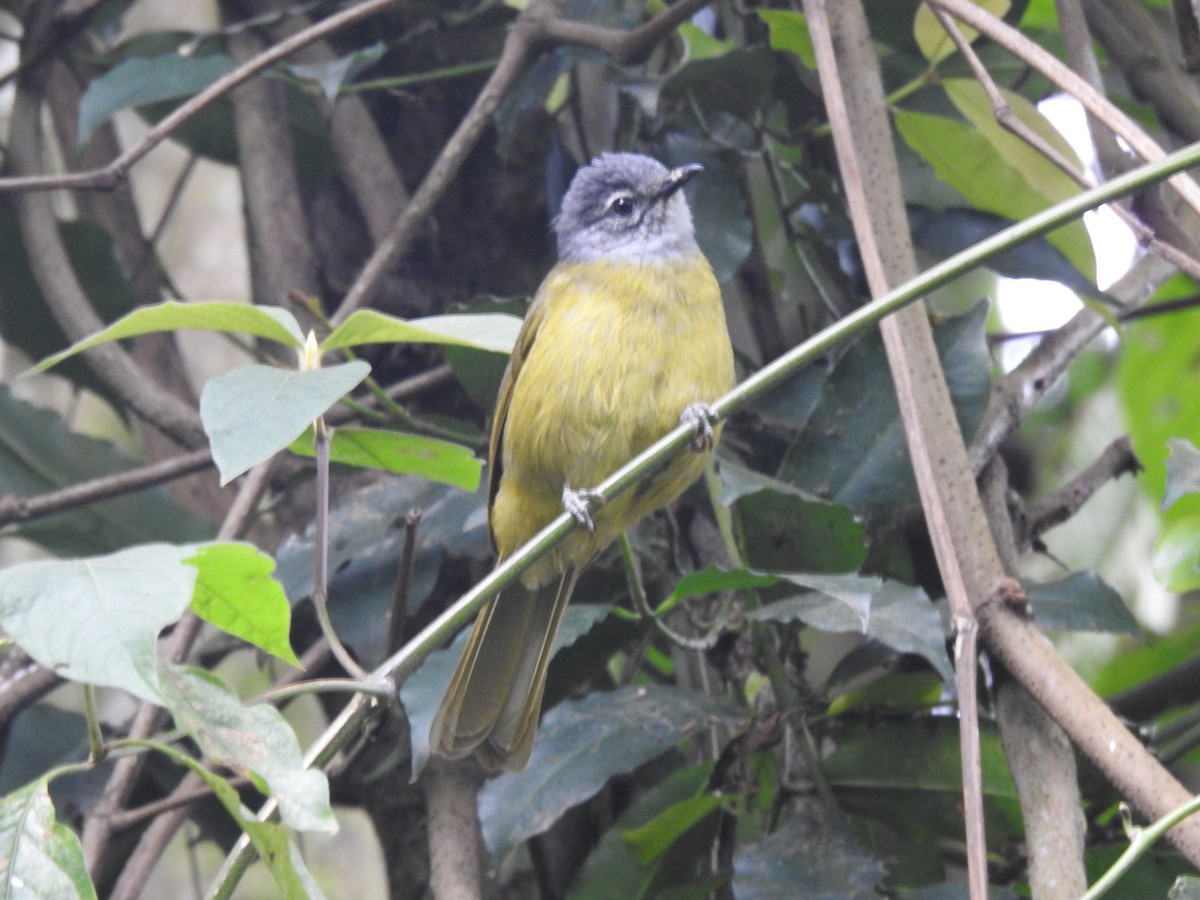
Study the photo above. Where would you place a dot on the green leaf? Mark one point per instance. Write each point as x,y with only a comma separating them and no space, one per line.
254,740
97,620
334,75
405,454
1158,384
651,840
612,869
255,411
716,578
850,609
140,80
494,332
39,856
908,774
271,322
1080,602
1177,555
580,745
39,454
269,838
789,33
785,527
813,853
931,37
1183,470
853,451
994,170
236,593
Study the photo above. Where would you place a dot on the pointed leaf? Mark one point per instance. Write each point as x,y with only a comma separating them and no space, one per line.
39,856
651,840
716,578
254,412
270,839
254,740
236,593
143,79
495,332
97,620
233,318
580,745
851,606
405,454
335,74
931,37
1080,602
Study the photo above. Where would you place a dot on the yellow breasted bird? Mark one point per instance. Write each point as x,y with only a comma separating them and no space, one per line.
625,338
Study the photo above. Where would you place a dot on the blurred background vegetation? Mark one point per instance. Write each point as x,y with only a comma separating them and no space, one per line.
802,741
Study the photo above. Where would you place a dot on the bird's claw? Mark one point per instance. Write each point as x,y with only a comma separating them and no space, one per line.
701,417
576,503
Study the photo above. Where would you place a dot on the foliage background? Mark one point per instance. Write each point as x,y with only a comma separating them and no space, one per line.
810,748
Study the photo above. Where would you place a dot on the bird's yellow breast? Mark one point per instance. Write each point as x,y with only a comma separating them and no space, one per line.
613,355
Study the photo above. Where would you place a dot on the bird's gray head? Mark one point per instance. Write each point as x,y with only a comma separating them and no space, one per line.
626,207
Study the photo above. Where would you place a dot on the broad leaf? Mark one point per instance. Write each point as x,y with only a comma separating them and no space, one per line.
789,32
813,853
39,857
612,869
651,840
932,38
39,454
1080,602
271,322
255,411
714,579
404,454
140,80
580,745
270,839
494,332
1183,471
236,593
97,620
254,740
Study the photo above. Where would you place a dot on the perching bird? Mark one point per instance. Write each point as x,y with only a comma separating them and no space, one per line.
625,338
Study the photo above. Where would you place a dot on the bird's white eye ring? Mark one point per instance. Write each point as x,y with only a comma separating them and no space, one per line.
622,204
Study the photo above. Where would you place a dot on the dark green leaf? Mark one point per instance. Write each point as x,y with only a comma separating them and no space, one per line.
404,454
612,869
853,450
1080,602
255,411
651,840
236,593
254,740
39,738
580,745
39,857
39,454
812,854
715,578
784,528
140,80
97,620
1183,470
908,774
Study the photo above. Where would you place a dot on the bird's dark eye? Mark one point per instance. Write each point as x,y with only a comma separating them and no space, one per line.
622,205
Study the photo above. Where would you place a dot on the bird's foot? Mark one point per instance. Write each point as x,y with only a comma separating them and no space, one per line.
701,417
576,503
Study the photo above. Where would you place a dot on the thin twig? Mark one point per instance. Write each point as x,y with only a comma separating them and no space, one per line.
398,614
1117,459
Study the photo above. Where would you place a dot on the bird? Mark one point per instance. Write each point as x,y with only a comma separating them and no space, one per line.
624,339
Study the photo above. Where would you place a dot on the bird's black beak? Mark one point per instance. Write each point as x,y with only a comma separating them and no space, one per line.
676,179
